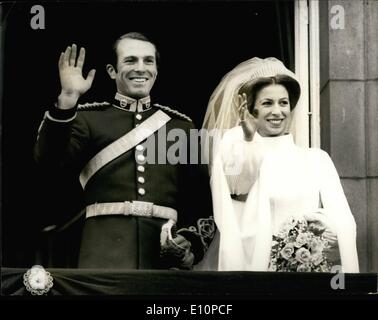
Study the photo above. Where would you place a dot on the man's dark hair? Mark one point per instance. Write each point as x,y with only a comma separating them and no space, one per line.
134,36
252,88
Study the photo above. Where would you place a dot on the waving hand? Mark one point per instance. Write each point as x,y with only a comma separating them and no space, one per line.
246,122
71,77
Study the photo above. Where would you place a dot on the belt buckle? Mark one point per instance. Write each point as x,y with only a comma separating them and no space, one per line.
141,208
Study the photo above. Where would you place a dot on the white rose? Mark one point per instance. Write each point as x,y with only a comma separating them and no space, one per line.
287,251
303,255
301,240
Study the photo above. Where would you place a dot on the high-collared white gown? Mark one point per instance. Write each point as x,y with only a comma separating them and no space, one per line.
281,180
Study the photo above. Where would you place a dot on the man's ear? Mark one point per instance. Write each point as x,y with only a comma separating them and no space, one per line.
111,71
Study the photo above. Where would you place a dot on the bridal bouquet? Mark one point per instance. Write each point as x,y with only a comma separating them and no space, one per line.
299,246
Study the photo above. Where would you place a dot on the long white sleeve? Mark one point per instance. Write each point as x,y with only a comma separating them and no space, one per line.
239,163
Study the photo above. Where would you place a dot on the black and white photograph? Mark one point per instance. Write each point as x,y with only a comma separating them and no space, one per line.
189,149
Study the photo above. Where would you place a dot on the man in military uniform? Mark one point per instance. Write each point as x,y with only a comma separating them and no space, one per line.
133,204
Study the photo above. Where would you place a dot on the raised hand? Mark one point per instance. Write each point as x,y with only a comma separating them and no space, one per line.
246,119
71,77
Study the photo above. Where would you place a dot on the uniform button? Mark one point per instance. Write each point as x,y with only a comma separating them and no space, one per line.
140,179
137,124
139,147
141,191
141,157
140,168
138,116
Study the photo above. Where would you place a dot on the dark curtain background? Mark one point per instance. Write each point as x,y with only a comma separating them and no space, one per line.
198,41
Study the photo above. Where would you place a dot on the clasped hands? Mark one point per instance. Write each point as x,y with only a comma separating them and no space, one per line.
175,250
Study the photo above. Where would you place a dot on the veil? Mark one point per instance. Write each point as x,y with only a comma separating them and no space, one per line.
222,113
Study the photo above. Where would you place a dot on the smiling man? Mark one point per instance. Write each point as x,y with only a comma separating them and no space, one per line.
131,202
136,69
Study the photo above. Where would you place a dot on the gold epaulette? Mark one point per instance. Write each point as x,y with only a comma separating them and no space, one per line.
92,106
172,111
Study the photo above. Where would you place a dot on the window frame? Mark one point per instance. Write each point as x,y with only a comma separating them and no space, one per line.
306,124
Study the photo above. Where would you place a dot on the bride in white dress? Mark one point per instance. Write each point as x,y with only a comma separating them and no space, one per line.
260,178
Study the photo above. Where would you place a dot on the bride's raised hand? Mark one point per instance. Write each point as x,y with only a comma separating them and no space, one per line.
246,119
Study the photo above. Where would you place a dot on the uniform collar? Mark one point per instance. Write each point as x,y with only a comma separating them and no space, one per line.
130,104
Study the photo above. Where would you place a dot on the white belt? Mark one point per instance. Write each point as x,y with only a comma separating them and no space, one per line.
133,208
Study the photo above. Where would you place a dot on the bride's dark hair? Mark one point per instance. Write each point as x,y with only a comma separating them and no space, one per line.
252,88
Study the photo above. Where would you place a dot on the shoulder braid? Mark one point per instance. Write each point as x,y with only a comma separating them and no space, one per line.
92,106
172,111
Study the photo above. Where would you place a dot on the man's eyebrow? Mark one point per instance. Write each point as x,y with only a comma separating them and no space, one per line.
132,57
136,57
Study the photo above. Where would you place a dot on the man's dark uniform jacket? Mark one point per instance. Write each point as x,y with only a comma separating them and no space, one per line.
72,137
